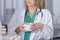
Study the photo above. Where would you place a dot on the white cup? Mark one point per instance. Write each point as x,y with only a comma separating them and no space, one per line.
15,38
18,38
27,26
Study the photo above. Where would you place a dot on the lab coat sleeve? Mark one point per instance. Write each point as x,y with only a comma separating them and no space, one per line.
47,31
15,21
12,25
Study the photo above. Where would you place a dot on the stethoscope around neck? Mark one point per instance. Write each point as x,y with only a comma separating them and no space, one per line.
40,11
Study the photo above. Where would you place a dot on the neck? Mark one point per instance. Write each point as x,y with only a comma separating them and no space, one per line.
32,8
31,11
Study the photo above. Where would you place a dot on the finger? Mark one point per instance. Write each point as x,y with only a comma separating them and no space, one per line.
33,29
22,27
33,24
13,39
23,30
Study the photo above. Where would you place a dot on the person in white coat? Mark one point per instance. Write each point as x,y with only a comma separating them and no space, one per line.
35,13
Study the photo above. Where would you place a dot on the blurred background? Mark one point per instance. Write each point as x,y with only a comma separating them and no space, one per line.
8,7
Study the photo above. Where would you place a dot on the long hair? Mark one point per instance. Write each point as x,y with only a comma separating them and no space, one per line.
41,4
38,3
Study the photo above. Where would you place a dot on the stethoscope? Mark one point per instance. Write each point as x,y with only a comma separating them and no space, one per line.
40,11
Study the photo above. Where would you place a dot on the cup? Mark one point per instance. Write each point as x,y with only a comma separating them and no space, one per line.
27,26
15,38
18,38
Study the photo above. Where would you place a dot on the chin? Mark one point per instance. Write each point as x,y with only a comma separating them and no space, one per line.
28,4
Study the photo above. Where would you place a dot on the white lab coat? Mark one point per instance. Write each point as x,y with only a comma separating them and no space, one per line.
46,33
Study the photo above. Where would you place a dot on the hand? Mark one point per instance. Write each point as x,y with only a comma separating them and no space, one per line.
36,26
13,37
19,29
22,28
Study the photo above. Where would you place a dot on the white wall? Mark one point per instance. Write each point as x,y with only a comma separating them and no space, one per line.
9,4
56,11
49,5
56,6
20,4
2,10
17,4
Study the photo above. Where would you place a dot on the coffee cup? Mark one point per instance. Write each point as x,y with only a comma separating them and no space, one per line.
27,26
15,38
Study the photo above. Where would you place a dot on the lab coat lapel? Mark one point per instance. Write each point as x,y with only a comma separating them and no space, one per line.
37,20
38,17
23,16
32,35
